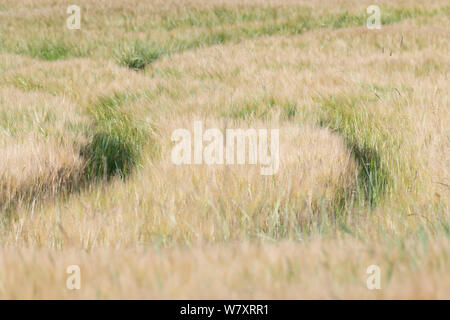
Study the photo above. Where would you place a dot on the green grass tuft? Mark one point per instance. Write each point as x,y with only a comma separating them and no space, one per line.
139,54
117,139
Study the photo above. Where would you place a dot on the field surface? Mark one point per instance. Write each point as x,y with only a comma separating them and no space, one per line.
86,176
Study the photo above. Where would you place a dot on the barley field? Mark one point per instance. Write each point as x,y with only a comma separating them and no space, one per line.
86,123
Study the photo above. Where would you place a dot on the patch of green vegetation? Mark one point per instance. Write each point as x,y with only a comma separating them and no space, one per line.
139,54
365,136
117,140
219,16
282,15
395,14
47,49
51,49
342,20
